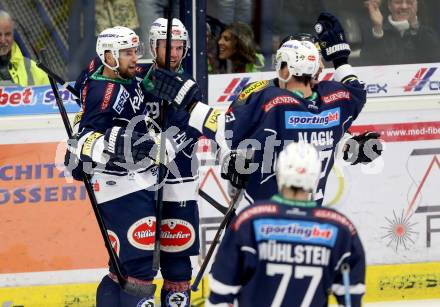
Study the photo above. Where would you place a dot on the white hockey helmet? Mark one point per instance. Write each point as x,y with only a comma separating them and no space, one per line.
298,166
302,58
158,31
115,39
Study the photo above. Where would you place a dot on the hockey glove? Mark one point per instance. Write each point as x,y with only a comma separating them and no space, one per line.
72,164
331,37
363,148
179,89
235,168
130,148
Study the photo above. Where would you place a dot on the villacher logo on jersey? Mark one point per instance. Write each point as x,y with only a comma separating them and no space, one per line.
233,89
421,79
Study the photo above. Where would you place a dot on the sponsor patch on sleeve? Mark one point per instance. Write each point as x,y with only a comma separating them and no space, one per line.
336,96
334,216
254,211
229,115
77,118
89,142
212,119
108,92
252,88
92,66
84,92
279,101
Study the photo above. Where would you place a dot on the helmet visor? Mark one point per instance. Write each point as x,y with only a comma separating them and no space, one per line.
129,52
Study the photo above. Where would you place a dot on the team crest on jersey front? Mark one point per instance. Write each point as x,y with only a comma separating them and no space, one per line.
176,235
141,233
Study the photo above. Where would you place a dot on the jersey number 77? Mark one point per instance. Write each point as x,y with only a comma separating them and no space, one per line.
300,271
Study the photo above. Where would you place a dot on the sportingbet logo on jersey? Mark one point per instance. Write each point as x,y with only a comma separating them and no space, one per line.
307,120
295,231
233,89
421,79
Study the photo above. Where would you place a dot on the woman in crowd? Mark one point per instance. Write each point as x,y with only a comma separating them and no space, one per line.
237,50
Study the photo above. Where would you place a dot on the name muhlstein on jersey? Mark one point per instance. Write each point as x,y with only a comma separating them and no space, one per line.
300,254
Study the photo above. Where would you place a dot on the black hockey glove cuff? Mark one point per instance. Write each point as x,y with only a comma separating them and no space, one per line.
73,165
363,148
179,89
331,37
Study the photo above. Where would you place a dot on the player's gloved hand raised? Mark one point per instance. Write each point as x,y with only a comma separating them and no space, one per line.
363,148
235,168
182,91
331,37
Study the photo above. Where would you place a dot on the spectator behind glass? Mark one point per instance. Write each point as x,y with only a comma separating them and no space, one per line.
399,38
111,13
230,11
237,50
14,67
147,12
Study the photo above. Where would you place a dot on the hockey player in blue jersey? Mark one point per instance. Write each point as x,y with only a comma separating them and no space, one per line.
180,237
117,147
276,112
287,251
180,210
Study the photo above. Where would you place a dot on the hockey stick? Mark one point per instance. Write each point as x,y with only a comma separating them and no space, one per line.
226,220
163,127
213,202
57,78
345,269
43,66
135,289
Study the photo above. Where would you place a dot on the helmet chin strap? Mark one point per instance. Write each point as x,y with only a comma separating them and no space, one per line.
281,78
285,80
115,69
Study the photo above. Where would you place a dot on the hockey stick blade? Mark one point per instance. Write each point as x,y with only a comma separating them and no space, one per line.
163,126
212,202
229,214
